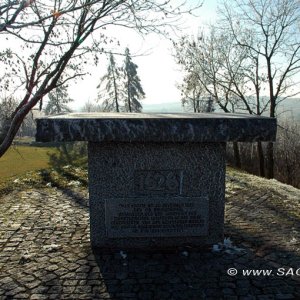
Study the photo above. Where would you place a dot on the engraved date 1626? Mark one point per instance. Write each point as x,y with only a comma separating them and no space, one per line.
158,181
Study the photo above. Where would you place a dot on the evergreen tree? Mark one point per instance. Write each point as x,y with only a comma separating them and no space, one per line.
58,99
112,93
133,85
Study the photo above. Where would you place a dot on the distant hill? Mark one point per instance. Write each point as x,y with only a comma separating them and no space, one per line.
172,107
289,108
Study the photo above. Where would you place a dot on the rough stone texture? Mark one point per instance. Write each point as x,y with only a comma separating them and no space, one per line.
126,127
45,250
115,174
163,162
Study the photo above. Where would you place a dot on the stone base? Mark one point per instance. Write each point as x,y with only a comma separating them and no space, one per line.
156,195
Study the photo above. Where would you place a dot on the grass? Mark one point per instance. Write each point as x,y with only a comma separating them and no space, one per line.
21,159
28,166
65,178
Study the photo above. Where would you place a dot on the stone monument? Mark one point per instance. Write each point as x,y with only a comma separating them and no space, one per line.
156,180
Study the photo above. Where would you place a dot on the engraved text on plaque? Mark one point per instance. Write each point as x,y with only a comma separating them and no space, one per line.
160,217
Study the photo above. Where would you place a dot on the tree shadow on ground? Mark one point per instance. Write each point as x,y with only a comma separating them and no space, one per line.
256,226
74,195
74,271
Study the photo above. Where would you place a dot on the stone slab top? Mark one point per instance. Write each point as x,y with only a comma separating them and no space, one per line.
155,127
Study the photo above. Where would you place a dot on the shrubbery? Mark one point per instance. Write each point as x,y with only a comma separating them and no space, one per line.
287,154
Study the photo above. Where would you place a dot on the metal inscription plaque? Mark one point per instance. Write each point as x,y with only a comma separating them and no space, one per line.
155,182
156,217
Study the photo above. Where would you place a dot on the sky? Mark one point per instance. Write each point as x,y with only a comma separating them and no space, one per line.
157,70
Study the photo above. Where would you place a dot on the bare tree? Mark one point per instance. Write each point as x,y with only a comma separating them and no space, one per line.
276,28
244,74
254,52
191,92
205,59
14,14
59,35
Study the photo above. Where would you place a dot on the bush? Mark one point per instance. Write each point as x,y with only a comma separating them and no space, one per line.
286,154
73,153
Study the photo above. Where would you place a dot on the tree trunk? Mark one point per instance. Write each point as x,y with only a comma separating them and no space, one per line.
237,157
270,156
270,147
261,159
289,172
128,95
116,93
12,126
117,104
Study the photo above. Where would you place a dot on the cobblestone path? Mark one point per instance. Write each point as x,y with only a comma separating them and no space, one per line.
45,250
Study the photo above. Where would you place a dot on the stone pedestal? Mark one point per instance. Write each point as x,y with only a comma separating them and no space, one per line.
156,180
156,194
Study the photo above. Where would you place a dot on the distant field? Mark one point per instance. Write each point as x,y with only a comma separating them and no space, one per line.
20,159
